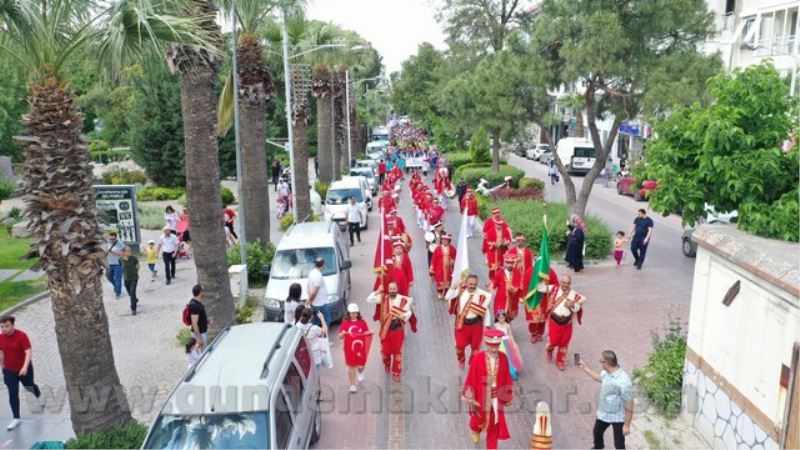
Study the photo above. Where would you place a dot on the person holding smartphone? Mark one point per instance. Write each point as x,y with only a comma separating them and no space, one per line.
615,400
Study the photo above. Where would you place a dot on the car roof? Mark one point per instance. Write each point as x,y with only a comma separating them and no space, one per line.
246,357
347,182
309,235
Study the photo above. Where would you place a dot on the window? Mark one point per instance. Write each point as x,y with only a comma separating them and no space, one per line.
244,430
303,357
283,422
342,196
584,152
297,263
749,32
293,385
730,6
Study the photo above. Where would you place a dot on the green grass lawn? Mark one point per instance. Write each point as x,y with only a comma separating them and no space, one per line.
11,250
13,292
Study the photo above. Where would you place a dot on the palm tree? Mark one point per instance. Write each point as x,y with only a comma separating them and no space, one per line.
322,92
197,67
300,112
338,147
41,36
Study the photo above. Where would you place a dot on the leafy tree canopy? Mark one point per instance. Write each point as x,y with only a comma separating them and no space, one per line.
414,88
730,155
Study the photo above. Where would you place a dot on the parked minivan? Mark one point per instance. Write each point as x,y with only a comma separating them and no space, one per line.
578,155
294,258
255,386
338,197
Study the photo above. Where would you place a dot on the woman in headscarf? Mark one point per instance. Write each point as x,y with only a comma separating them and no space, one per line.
575,241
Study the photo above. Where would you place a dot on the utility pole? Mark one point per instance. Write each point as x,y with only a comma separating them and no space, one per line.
236,133
347,103
289,125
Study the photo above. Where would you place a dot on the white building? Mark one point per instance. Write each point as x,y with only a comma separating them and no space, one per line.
751,31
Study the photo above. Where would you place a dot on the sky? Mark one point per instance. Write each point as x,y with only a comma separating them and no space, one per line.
395,27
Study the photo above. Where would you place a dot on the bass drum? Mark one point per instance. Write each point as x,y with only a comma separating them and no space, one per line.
450,193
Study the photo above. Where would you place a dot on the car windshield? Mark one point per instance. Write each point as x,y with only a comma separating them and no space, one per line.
297,263
584,152
242,430
361,173
342,196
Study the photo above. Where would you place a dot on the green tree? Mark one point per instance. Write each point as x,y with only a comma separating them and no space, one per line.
42,36
479,147
627,56
729,155
12,107
414,88
478,26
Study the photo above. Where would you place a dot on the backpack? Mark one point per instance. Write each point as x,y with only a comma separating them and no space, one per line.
187,318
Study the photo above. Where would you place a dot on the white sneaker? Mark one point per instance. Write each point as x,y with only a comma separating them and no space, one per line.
353,390
13,424
360,376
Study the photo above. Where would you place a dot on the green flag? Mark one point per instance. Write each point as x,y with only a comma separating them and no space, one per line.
541,273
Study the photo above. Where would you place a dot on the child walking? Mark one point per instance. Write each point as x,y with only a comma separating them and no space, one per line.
619,245
152,257
193,351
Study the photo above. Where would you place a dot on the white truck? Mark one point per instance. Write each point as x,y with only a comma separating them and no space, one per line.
576,154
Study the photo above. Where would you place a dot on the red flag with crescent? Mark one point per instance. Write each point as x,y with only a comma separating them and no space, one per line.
356,348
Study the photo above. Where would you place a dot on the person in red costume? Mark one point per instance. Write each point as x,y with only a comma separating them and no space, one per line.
488,389
489,222
496,240
565,307
470,305
401,260
386,202
505,286
470,205
524,262
442,264
435,212
395,312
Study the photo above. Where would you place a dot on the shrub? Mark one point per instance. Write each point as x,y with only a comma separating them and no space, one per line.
15,214
123,176
258,255
458,159
528,193
472,174
322,188
524,216
130,435
288,220
6,188
661,379
532,182
151,193
151,217
480,147
227,196
244,312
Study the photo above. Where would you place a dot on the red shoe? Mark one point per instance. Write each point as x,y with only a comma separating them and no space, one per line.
560,366
550,356
396,377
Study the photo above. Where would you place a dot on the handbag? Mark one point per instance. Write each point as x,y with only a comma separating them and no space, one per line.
325,350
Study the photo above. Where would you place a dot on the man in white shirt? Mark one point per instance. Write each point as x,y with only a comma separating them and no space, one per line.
353,215
168,247
317,292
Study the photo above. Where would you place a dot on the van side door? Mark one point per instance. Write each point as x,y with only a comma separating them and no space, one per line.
293,387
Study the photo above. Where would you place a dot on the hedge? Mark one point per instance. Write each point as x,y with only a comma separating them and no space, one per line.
150,193
532,183
129,435
472,174
525,216
458,159
124,176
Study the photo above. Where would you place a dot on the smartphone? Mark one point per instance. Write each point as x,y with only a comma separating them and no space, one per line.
577,359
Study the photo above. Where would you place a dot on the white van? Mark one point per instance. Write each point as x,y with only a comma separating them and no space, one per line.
255,386
576,154
294,258
338,198
376,150
380,134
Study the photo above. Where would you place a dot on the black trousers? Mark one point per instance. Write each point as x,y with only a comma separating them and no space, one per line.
354,227
12,380
600,428
230,227
130,286
638,250
169,265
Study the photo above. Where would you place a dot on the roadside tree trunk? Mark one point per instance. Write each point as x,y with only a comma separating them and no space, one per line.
496,151
60,204
300,112
322,92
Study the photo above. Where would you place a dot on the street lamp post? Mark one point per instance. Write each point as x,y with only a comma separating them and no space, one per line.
289,125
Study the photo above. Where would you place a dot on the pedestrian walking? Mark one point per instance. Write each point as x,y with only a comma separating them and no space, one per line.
113,249
314,333
565,306
394,312
318,292
130,273
171,219
619,243
357,339
381,172
292,302
615,400
552,170
193,351
576,237
198,317
168,248
230,215
461,191
17,365
640,232
487,390
283,196
353,215
276,172
151,254
316,167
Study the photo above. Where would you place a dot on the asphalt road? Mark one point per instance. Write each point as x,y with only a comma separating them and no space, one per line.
618,211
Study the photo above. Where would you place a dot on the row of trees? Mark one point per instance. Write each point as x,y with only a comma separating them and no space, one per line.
621,60
47,43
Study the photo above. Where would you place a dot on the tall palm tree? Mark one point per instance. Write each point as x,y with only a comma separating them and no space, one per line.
300,112
338,123
197,67
41,36
322,92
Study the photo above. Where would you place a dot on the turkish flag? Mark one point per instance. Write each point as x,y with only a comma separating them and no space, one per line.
356,348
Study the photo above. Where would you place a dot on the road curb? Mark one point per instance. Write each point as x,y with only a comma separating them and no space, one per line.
25,303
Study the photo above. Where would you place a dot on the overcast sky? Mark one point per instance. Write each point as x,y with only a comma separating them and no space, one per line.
395,27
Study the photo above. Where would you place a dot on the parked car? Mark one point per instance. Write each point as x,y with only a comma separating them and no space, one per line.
338,197
546,156
688,246
372,164
367,173
363,183
294,258
625,187
376,150
255,386
535,153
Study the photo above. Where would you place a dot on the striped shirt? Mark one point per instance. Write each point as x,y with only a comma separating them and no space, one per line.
616,390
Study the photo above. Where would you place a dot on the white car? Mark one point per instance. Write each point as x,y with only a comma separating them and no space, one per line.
368,163
363,182
536,152
338,197
367,173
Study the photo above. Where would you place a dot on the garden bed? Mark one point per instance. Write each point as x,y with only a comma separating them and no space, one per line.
473,172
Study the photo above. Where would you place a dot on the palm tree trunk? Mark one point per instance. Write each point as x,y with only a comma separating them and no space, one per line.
336,148
199,106
300,169
495,151
324,139
579,124
255,184
60,203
